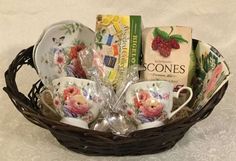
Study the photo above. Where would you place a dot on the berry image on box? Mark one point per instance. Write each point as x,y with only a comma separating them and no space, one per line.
164,42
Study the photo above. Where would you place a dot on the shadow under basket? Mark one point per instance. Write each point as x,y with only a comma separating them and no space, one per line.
91,142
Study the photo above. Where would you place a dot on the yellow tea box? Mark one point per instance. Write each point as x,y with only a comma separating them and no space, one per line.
166,54
118,38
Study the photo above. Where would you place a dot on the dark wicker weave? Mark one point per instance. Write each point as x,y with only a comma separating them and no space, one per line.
91,142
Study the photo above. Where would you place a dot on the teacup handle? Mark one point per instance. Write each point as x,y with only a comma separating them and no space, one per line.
176,94
50,92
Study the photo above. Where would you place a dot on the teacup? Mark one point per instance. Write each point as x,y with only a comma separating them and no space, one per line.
149,103
76,100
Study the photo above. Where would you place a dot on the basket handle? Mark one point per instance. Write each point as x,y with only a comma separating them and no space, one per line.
21,102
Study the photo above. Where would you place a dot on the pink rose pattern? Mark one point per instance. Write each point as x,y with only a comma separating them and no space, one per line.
214,78
70,91
77,105
152,108
68,60
59,59
146,106
141,97
73,103
74,67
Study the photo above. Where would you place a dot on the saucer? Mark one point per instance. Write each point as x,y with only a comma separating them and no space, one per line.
56,53
43,33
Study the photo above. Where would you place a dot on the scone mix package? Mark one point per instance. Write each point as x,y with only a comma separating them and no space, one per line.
118,38
166,54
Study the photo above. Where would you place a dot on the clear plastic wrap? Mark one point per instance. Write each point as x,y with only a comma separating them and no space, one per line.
113,103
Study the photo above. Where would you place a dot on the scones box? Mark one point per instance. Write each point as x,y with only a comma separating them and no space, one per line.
167,54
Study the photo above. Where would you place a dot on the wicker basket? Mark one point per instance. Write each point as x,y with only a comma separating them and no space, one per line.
91,142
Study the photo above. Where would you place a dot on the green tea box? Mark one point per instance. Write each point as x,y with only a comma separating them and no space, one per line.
118,38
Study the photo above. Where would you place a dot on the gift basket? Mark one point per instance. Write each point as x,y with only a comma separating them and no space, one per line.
87,116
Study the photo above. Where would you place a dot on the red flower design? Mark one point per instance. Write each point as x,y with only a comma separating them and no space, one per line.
77,104
137,103
74,51
129,112
214,78
151,108
70,91
59,59
141,97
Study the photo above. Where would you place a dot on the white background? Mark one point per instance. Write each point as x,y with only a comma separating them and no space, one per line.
21,23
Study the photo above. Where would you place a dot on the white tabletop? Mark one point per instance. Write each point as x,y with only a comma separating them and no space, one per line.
21,23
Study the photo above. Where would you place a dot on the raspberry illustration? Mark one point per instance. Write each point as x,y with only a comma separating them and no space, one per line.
164,49
155,43
164,42
174,44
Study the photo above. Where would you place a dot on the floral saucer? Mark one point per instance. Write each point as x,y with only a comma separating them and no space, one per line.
43,33
56,53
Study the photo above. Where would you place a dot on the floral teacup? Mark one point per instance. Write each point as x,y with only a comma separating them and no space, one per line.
76,100
150,102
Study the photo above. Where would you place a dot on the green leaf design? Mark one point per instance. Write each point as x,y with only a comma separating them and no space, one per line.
163,34
77,26
99,45
77,42
71,28
98,37
178,38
